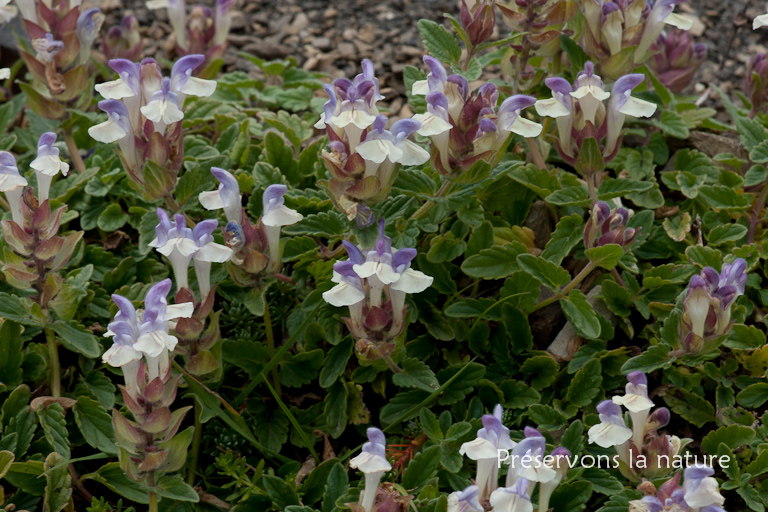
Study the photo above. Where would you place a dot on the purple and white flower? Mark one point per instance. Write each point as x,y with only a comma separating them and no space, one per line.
7,11
177,15
611,431
12,184
699,493
661,14
373,462
465,501
636,401
227,197
47,164
88,25
484,449
275,216
512,499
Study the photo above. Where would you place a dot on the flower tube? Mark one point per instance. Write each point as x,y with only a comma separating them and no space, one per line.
373,462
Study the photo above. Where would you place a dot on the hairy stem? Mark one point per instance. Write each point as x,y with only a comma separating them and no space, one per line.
591,186
392,365
152,495
53,356
759,203
74,154
536,156
194,454
564,292
426,207
271,347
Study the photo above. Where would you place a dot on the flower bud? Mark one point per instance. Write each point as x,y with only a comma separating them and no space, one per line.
479,22
605,227
756,81
123,41
677,59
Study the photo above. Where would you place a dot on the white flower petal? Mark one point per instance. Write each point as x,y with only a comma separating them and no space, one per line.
158,4
678,21
198,87
420,87
376,150
551,108
638,108
343,294
49,165
609,434
412,281
370,463
5,73
118,355
115,90
431,124
10,182
359,118
215,253
153,343
183,310
706,494
634,403
108,131
413,154
383,271
211,200
591,90
281,216
184,246
162,111
760,21
525,128
479,449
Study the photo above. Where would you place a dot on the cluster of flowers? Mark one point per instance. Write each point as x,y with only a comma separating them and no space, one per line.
581,114
699,493
707,306
32,234
374,284
619,34
256,247
605,227
642,441
142,347
144,111
467,126
528,464
204,31
363,157
61,39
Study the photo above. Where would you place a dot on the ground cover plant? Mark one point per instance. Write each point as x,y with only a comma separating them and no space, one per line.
264,291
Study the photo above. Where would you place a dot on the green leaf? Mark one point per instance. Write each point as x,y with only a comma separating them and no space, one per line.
416,374
496,262
439,42
573,438
606,256
751,497
726,233
576,56
55,428
11,354
585,385
672,124
543,369
517,395
326,224
759,153
753,396
12,308
602,481
95,424
430,425
722,198
546,417
691,406
336,362
58,488
459,388
114,478
590,158
655,357
571,496
734,436
566,236
581,314
74,336
551,275
336,486
422,468
336,409
6,459
112,219
570,196
613,188
281,493
175,488
755,468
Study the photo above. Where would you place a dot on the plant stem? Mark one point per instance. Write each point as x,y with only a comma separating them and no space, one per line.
74,154
533,147
564,292
426,207
756,213
152,495
392,365
195,452
5,204
53,356
271,347
591,186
